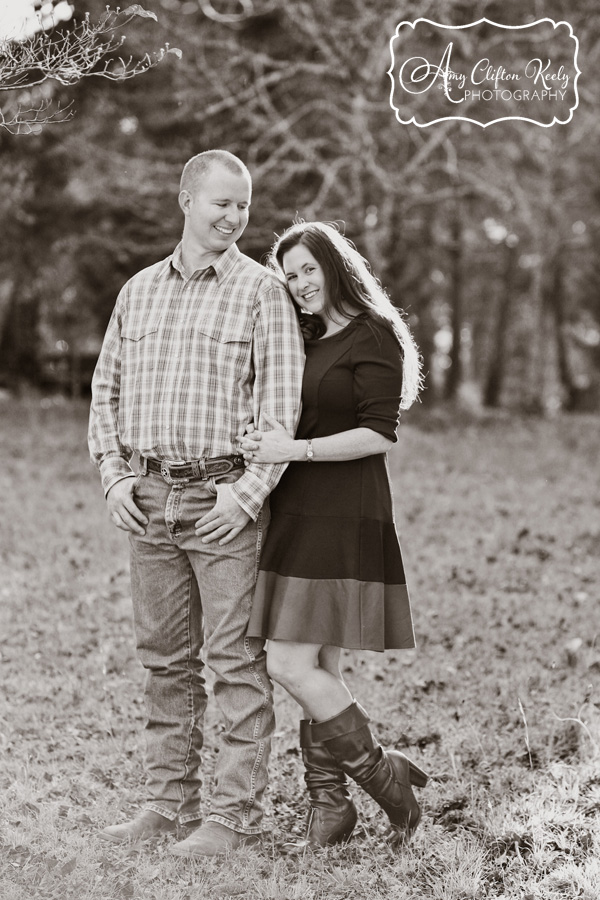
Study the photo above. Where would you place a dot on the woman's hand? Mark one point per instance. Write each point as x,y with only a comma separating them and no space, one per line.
275,446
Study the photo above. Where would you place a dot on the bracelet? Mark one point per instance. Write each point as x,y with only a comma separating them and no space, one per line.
309,450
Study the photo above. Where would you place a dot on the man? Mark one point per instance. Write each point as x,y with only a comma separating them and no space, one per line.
199,345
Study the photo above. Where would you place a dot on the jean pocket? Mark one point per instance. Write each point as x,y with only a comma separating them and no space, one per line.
226,478
136,483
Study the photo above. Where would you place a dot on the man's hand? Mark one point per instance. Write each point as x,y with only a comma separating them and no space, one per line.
224,521
123,511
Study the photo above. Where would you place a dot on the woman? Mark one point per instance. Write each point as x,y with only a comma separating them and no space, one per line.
331,572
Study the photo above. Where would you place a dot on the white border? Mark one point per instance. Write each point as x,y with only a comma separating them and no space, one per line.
412,120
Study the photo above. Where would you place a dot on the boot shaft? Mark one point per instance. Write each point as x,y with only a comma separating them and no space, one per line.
387,776
320,768
332,815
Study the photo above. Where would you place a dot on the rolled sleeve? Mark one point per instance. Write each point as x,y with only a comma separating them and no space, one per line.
377,362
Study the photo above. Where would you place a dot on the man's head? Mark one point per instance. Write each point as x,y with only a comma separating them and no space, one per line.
201,165
215,194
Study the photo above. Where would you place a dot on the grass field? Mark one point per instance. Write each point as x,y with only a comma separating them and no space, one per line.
500,526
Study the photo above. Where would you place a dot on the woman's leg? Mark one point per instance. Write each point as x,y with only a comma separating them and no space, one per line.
298,668
386,775
329,659
340,725
312,676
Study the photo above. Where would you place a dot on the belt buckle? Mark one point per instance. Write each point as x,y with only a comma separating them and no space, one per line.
165,471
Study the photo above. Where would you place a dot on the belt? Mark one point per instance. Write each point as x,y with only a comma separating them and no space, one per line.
195,468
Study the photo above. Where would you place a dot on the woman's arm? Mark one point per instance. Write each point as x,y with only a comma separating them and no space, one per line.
277,446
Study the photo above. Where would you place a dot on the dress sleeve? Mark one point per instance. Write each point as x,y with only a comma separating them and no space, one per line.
377,365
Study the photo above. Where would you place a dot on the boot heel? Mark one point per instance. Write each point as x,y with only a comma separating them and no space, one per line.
417,776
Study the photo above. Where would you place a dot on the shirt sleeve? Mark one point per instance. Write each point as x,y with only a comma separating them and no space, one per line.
377,363
278,357
106,449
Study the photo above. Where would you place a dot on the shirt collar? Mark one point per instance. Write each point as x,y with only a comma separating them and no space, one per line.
222,266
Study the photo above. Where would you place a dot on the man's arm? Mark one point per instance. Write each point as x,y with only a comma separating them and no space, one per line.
278,357
106,448
279,366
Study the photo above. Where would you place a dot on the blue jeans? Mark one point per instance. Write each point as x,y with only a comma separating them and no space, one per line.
188,598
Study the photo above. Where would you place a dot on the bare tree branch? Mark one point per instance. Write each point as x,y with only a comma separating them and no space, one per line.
67,56
31,120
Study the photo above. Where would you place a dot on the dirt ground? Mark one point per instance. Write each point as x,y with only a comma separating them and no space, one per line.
500,526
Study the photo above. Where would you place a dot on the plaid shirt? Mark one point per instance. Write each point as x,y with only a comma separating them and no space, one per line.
187,363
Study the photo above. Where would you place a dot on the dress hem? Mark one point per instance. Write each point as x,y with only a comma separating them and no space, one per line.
338,612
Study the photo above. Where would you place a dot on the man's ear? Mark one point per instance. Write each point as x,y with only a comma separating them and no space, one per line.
185,201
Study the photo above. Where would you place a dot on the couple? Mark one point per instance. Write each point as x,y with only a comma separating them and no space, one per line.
201,348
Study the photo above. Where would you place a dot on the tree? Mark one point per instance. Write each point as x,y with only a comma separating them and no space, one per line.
30,64
298,89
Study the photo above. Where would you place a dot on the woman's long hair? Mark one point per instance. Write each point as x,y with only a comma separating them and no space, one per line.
349,285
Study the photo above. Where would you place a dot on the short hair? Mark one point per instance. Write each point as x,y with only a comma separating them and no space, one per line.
201,164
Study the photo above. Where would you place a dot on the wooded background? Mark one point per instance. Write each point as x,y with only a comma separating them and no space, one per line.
487,238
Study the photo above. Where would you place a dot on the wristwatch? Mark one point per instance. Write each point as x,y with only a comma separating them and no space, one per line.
309,450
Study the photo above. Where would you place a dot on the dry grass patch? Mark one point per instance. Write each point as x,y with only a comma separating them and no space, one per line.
500,529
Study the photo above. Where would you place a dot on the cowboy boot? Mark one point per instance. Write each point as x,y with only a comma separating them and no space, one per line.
386,775
146,826
332,815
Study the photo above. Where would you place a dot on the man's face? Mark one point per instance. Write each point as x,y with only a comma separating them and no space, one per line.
217,212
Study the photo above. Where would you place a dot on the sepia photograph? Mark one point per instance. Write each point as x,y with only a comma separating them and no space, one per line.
300,450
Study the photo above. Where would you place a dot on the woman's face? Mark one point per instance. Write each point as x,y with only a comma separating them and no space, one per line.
305,278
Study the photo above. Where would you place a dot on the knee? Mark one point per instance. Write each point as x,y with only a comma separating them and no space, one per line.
275,666
282,670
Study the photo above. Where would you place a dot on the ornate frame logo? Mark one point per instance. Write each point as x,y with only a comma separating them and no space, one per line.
529,78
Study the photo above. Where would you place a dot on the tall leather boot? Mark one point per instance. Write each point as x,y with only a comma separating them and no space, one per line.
386,775
332,815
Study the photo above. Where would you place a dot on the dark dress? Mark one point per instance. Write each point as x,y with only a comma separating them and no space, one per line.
331,570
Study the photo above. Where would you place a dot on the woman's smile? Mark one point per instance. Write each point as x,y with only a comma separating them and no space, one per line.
305,278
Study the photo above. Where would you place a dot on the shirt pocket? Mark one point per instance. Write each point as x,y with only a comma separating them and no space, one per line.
226,331
138,332
139,351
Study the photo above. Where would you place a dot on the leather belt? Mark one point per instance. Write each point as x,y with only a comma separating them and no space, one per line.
195,468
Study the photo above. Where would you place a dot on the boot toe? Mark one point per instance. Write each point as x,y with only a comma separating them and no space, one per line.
214,839
147,825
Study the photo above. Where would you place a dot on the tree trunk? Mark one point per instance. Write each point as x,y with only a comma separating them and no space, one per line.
497,368
534,377
454,374
19,342
555,299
